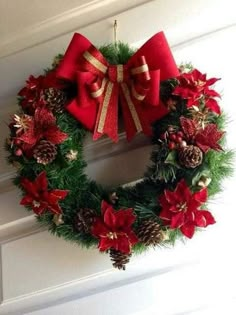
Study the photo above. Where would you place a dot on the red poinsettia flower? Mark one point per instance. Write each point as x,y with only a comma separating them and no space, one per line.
114,229
33,91
39,197
205,138
181,209
208,138
42,126
194,86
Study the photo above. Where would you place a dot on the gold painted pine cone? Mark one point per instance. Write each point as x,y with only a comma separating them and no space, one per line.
55,99
190,156
45,152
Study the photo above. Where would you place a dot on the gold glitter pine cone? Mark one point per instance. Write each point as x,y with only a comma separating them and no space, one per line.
45,152
55,99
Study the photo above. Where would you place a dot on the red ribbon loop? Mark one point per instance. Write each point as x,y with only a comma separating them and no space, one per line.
100,85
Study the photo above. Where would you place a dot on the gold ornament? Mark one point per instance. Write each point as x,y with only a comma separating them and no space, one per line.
22,123
72,155
113,197
204,181
57,219
165,236
200,116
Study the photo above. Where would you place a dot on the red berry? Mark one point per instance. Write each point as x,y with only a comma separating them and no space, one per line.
18,152
180,134
173,137
171,145
179,139
17,142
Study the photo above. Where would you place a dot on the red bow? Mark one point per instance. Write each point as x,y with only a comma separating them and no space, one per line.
100,85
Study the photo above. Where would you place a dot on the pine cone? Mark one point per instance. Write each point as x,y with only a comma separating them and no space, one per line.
45,152
84,220
119,259
55,99
150,233
190,156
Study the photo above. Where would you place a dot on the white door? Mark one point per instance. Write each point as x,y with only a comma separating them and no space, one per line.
42,275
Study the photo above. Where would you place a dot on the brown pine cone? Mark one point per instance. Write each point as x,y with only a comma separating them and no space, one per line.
55,99
119,259
150,233
45,152
190,156
84,220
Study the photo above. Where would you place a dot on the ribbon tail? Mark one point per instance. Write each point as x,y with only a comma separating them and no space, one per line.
107,117
135,118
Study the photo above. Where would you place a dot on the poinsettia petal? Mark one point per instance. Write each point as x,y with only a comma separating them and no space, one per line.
43,117
212,81
99,229
123,244
172,197
26,200
165,214
188,229
163,202
193,204
213,106
133,239
40,209
200,219
208,138
212,93
197,75
54,135
204,218
104,206
105,243
182,191
30,188
41,181
188,126
60,194
29,136
25,184
177,220
110,218
125,218
54,208
190,216
201,195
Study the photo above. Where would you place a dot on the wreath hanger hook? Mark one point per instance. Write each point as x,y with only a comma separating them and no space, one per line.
115,31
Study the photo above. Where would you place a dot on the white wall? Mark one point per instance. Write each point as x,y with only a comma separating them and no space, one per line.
196,278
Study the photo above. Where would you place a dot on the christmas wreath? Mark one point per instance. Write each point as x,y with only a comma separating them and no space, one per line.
87,90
